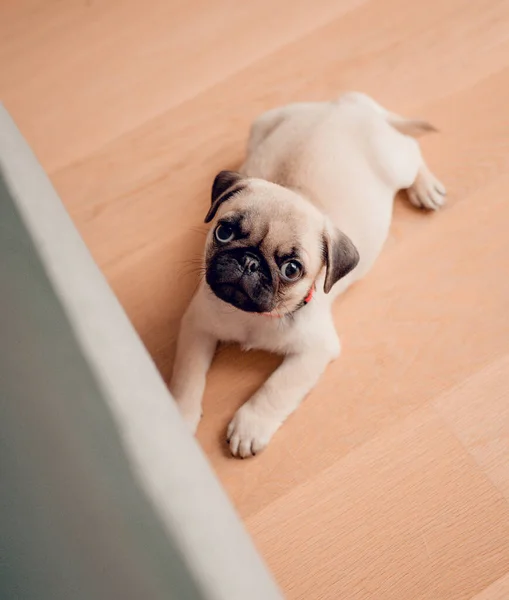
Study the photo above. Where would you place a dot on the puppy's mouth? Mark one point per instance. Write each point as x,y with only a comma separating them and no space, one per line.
235,296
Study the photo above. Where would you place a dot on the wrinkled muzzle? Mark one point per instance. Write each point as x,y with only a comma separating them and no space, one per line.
241,277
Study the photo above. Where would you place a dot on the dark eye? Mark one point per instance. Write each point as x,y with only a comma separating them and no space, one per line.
224,233
291,270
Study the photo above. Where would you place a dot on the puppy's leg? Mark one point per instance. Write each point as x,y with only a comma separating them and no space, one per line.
423,188
195,350
426,191
406,162
260,417
409,172
412,174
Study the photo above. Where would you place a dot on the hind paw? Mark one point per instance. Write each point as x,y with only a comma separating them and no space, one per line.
427,191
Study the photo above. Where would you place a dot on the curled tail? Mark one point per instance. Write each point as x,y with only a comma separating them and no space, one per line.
413,127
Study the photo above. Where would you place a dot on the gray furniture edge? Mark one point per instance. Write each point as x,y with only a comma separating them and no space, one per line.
105,494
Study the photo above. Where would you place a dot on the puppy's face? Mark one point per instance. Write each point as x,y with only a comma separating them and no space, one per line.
268,245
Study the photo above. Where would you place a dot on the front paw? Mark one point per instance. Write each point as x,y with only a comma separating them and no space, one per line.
250,431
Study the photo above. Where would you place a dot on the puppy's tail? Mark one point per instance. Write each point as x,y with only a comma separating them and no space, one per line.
413,127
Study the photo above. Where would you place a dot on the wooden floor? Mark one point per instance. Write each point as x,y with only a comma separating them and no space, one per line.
392,479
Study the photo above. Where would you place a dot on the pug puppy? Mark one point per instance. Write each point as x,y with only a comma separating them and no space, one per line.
305,217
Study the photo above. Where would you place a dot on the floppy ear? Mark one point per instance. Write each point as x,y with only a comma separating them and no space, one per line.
340,256
224,186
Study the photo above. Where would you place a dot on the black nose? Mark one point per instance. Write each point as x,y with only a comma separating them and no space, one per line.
250,262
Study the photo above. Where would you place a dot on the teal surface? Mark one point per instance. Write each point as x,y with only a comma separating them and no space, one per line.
74,525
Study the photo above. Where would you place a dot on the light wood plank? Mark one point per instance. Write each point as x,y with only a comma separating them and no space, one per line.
78,74
497,591
478,412
393,519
